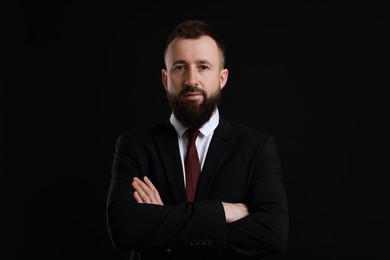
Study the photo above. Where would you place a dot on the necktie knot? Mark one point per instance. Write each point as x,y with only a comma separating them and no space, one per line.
192,134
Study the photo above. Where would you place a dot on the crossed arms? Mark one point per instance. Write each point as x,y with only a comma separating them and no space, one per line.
146,193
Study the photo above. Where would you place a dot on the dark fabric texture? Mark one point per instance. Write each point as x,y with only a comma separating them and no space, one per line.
241,165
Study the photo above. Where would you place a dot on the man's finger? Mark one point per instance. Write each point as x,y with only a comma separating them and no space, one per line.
143,186
149,183
156,194
142,194
137,197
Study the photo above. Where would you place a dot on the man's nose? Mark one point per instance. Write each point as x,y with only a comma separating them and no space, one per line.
191,77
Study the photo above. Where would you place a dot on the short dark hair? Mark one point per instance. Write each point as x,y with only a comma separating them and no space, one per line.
194,29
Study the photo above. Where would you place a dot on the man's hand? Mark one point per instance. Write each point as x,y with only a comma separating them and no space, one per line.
145,192
234,211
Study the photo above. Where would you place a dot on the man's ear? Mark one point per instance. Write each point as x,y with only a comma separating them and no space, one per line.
223,77
164,78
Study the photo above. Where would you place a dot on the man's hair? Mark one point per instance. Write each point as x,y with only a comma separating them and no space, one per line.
194,29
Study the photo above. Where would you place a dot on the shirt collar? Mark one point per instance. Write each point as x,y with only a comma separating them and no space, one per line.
205,130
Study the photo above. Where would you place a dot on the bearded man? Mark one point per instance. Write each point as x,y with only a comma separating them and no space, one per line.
196,186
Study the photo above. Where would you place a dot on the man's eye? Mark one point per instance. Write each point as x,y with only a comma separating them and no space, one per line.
203,67
178,68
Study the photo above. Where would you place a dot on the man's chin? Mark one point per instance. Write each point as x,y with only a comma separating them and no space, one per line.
190,101
196,103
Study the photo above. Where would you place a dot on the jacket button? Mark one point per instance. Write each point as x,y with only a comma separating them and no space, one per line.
192,242
210,241
204,242
198,241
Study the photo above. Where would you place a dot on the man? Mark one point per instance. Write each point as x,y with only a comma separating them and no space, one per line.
233,206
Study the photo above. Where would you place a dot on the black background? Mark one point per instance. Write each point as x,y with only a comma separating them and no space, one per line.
311,73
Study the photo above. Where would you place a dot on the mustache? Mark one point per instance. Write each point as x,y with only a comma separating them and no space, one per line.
192,89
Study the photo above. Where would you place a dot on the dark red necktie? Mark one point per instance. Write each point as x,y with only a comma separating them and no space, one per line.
192,165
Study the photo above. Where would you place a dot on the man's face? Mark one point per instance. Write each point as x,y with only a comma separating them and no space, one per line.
193,79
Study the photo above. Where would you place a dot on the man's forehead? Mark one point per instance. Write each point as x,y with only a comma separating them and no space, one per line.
204,43
202,50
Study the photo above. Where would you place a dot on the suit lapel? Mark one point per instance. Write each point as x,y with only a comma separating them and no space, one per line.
167,146
215,156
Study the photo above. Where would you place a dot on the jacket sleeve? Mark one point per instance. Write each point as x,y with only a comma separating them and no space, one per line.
265,230
135,226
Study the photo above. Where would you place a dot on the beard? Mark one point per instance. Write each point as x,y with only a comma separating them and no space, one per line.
188,112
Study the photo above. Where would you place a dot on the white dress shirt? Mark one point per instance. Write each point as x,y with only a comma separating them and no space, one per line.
202,142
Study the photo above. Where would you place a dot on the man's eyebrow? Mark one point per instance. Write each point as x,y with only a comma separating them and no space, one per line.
207,62
200,61
178,62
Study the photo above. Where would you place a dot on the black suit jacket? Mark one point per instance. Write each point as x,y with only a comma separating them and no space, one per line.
242,165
